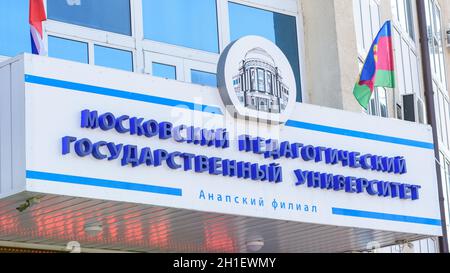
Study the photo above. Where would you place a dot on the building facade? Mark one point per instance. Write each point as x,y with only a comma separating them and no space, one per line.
325,42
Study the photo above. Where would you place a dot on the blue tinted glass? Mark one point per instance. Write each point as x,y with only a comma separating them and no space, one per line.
204,78
68,49
190,23
279,28
14,27
164,71
108,15
113,58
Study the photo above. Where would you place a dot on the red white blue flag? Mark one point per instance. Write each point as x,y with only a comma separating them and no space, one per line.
37,16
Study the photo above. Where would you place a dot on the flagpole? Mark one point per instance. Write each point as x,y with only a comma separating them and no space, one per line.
431,114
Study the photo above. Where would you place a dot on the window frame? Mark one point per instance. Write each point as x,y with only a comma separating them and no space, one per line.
184,58
65,37
411,40
91,31
200,70
92,52
152,57
406,50
441,96
94,37
362,50
441,83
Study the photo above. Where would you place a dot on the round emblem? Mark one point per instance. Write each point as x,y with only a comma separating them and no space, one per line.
256,80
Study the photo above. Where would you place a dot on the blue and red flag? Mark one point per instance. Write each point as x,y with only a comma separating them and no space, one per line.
37,16
378,69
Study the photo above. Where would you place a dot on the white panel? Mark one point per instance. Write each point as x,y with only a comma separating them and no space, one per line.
54,112
18,124
5,130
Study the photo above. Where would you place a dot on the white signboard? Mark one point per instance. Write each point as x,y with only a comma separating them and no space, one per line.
101,133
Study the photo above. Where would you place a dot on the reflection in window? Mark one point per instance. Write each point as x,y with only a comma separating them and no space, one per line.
269,82
164,71
108,15
367,23
378,105
433,15
402,10
68,49
14,28
203,78
253,79
191,24
447,172
372,109
382,99
113,58
436,107
279,28
261,81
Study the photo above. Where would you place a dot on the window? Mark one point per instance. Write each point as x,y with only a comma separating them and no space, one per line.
113,58
186,35
191,24
279,28
14,28
203,78
403,15
269,82
406,57
445,122
382,102
405,52
253,79
378,105
406,65
442,116
447,173
436,109
261,80
107,15
68,49
433,16
367,26
164,71
435,41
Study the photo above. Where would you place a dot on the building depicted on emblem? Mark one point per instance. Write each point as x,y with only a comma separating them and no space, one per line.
259,84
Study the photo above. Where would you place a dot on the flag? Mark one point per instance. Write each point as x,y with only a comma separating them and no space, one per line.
37,16
378,69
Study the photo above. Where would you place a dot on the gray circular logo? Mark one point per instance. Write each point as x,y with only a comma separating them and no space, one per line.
256,80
